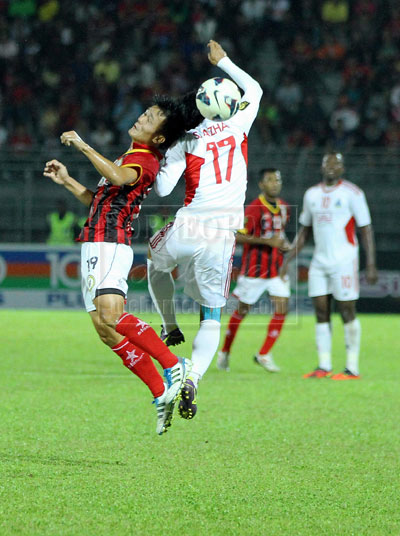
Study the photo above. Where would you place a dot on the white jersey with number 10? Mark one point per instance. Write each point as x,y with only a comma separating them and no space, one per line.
213,158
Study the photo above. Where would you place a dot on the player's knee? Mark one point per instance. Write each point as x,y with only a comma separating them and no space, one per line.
103,333
108,318
348,315
243,308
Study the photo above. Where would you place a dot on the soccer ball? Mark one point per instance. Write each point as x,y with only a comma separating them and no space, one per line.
218,99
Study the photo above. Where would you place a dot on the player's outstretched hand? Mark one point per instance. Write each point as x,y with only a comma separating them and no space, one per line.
215,52
72,137
56,171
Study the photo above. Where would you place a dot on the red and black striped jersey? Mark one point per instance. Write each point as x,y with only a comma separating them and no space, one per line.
114,208
262,219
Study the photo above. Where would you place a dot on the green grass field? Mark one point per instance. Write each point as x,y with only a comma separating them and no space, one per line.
266,454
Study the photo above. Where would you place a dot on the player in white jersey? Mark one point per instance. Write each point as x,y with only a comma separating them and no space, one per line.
333,209
213,158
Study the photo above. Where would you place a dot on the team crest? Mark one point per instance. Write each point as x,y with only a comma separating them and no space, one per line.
91,282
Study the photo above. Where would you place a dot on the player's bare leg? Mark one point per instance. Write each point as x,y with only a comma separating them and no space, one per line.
323,337
234,323
352,337
162,289
264,356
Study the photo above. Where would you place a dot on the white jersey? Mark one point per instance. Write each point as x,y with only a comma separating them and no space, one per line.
213,158
333,212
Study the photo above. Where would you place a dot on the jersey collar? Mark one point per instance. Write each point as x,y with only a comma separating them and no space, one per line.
142,148
271,208
326,188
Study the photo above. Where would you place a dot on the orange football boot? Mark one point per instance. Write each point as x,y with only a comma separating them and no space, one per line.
318,373
346,375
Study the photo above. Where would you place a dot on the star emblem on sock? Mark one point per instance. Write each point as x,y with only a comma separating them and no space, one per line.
132,358
141,325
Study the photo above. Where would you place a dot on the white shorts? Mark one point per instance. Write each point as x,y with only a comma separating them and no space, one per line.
105,268
250,289
341,281
204,256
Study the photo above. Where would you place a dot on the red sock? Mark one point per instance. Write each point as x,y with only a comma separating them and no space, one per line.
140,364
274,330
144,337
233,326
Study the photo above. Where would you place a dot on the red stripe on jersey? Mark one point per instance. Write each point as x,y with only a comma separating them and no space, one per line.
352,187
192,176
244,147
350,230
275,264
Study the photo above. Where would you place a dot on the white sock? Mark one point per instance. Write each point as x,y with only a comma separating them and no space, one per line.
352,338
205,345
162,288
323,338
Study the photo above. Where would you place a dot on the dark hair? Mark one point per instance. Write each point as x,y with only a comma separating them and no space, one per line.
192,116
174,125
262,172
181,115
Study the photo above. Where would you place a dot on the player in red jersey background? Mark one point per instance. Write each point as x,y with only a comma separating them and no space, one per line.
264,241
106,256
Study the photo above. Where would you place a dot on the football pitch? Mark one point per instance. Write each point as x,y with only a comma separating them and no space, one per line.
267,454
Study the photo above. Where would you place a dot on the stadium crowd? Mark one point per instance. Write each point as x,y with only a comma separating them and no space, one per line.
330,70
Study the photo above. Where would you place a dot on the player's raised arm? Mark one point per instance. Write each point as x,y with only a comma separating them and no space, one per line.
58,173
107,169
252,89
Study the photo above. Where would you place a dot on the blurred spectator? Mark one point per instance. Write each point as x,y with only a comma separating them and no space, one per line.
20,140
102,137
299,138
61,224
344,116
268,120
395,102
48,10
392,136
372,135
3,135
22,8
64,64
335,11
126,112
331,51
340,139
107,69
311,117
8,47
289,95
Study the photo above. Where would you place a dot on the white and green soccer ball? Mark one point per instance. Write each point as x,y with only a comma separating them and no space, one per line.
218,99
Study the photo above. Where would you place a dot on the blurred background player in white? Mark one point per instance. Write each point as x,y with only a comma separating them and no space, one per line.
213,157
332,209
264,241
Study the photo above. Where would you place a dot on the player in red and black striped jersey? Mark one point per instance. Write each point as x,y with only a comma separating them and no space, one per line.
114,207
106,256
264,241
